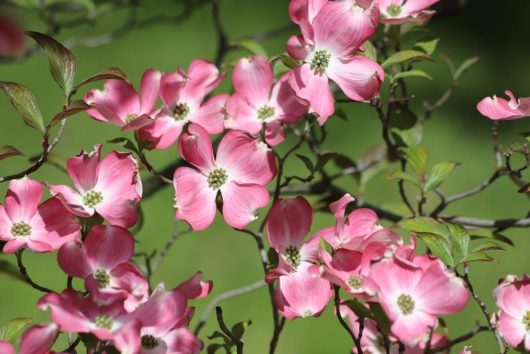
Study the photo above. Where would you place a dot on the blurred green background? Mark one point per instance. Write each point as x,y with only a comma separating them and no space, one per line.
497,34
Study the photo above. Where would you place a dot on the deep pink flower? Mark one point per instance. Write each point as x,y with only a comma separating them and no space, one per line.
183,94
512,296
401,11
38,339
103,261
12,38
413,294
257,102
300,291
25,223
119,104
111,187
327,51
241,168
501,109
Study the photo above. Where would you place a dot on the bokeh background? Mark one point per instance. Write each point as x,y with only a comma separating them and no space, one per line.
497,33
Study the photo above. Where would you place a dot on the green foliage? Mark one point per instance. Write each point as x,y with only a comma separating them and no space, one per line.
25,103
8,151
11,330
404,57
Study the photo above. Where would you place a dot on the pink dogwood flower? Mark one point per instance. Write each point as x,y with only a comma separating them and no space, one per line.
401,11
300,291
36,339
102,260
183,94
239,171
414,293
512,296
111,187
327,51
25,223
257,102
496,108
119,104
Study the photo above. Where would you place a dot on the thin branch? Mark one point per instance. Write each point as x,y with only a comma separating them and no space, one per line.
343,323
224,328
25,275
458,340
226,295
222,41
160,255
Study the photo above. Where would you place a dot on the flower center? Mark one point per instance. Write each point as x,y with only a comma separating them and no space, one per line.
21,228
406,304
355,282
266,112
393,10
320,61
104,321
217,177
526,320
102,278
181,111
130,117
293,256
149,342
92,198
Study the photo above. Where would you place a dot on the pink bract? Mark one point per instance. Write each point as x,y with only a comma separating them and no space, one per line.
110,187
240,181
25,223
400,11
496,108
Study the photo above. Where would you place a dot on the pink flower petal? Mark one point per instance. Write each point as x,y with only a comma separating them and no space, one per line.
195,146
241,201
138,123
210,115
410,328
194,199
6,347
66,310
289,221
72,200
22,199
512,329
114,103
288,108
128,339
170,87
108,246
314,89
83,169
38,339
252,79
195,288
162,133
242,116
500,109
202,78
258,166
150,88
297,47
300,10
359,78
73,260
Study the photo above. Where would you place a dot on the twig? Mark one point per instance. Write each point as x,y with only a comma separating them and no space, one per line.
343,323
226,295
71,347
458,340
25,275
160,255
224,328
222,41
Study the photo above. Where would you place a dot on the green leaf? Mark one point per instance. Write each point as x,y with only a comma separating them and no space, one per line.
427,45
460,237
416,157
323,159
477,257
63,65
411,73
307,162
359,309
272,257
487,233
238,330
11,330
400,175
323,244
488,246
464,67
369,51
285,60
439,245
126,143
426,225
438,175
251,46
25,104
75,107
110,73
8,151
411,136
404,56
214,347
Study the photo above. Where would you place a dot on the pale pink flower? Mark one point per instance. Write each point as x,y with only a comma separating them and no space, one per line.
25,223
327,51
258,103
414,293
401,11
183,94
102,260
301,291
12,38
111,187
512,296
241,168
496,108
119,104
